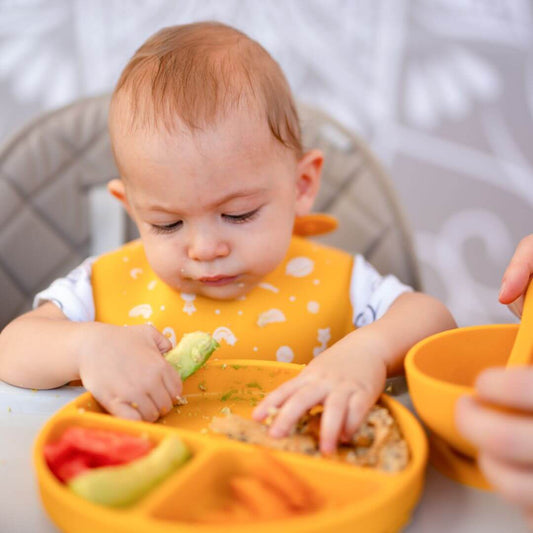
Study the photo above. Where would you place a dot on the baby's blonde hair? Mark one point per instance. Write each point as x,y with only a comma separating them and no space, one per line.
198,72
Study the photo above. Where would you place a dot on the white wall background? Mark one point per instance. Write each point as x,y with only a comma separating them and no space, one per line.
441,89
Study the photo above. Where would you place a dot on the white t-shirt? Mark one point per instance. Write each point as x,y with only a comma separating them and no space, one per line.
370,293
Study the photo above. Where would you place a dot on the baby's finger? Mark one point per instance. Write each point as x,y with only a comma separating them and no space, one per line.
507,436
358,407
146,408
294,407
123,409
172,383
161,398
514,482
507,387
276,398
333,419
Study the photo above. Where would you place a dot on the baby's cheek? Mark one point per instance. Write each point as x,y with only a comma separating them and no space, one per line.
167,269
265,256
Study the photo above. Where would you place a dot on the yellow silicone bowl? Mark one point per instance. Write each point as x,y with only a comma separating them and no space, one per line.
443,367
356,498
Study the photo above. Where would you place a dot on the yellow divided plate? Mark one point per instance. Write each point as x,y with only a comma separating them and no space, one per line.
357,498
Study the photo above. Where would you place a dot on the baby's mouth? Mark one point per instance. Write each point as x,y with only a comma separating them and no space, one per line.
217,281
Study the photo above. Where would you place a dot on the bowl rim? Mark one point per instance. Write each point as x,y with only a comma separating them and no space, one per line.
411,370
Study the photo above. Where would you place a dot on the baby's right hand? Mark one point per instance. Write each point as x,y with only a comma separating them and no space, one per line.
124,369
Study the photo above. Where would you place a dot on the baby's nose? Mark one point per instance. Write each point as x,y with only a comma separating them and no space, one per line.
207,247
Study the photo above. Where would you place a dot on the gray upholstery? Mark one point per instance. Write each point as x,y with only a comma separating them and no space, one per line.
48,168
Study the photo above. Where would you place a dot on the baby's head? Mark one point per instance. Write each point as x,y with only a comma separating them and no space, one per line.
207,141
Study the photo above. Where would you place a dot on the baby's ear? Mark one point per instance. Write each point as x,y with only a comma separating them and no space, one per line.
308,180
117,188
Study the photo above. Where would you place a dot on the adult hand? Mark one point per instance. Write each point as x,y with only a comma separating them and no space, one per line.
503,437
516,277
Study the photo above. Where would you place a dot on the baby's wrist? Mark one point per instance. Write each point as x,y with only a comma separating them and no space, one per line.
86,340
369,342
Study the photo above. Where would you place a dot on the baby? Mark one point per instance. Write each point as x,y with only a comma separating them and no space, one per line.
206,138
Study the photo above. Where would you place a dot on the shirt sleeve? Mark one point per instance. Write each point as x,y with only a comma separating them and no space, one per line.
371,294
73,294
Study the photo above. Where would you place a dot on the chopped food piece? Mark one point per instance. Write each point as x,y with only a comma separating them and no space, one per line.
123,485
296,492
238,428
193,350
269,490
81,448
378,442
258,498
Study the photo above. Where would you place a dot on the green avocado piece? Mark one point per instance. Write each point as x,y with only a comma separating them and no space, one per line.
123,485
193,350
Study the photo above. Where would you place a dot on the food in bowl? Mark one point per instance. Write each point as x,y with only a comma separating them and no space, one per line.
378,443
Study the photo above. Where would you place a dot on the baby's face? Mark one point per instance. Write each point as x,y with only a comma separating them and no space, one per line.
215,209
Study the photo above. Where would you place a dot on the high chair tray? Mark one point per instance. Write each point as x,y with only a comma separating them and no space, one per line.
355,498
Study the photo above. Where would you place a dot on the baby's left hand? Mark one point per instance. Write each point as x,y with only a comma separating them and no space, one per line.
346,379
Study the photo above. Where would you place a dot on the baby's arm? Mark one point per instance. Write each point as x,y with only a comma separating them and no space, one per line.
348,377
121,366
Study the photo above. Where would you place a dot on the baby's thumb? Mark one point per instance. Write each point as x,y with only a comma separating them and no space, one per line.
163,343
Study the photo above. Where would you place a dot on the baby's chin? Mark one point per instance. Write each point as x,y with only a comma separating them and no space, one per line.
233,291
222,293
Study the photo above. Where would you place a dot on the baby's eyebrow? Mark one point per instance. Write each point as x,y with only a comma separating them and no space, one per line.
245,193
251,193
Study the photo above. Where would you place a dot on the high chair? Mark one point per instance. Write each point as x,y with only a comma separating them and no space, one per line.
54,210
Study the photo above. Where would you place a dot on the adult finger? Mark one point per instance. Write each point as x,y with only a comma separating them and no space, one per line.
509,437
518,272
514,482
508,387
529,517
333,419
295,406
276,398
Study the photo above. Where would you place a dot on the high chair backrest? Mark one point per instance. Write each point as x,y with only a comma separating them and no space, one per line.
54,210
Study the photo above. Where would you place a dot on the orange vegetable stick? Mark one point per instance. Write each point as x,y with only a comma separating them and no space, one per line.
299,495
259,498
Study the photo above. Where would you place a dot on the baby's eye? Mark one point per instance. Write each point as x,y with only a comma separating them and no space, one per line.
167,228
244,217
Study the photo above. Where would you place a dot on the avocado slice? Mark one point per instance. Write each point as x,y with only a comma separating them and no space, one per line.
123,485
193,350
